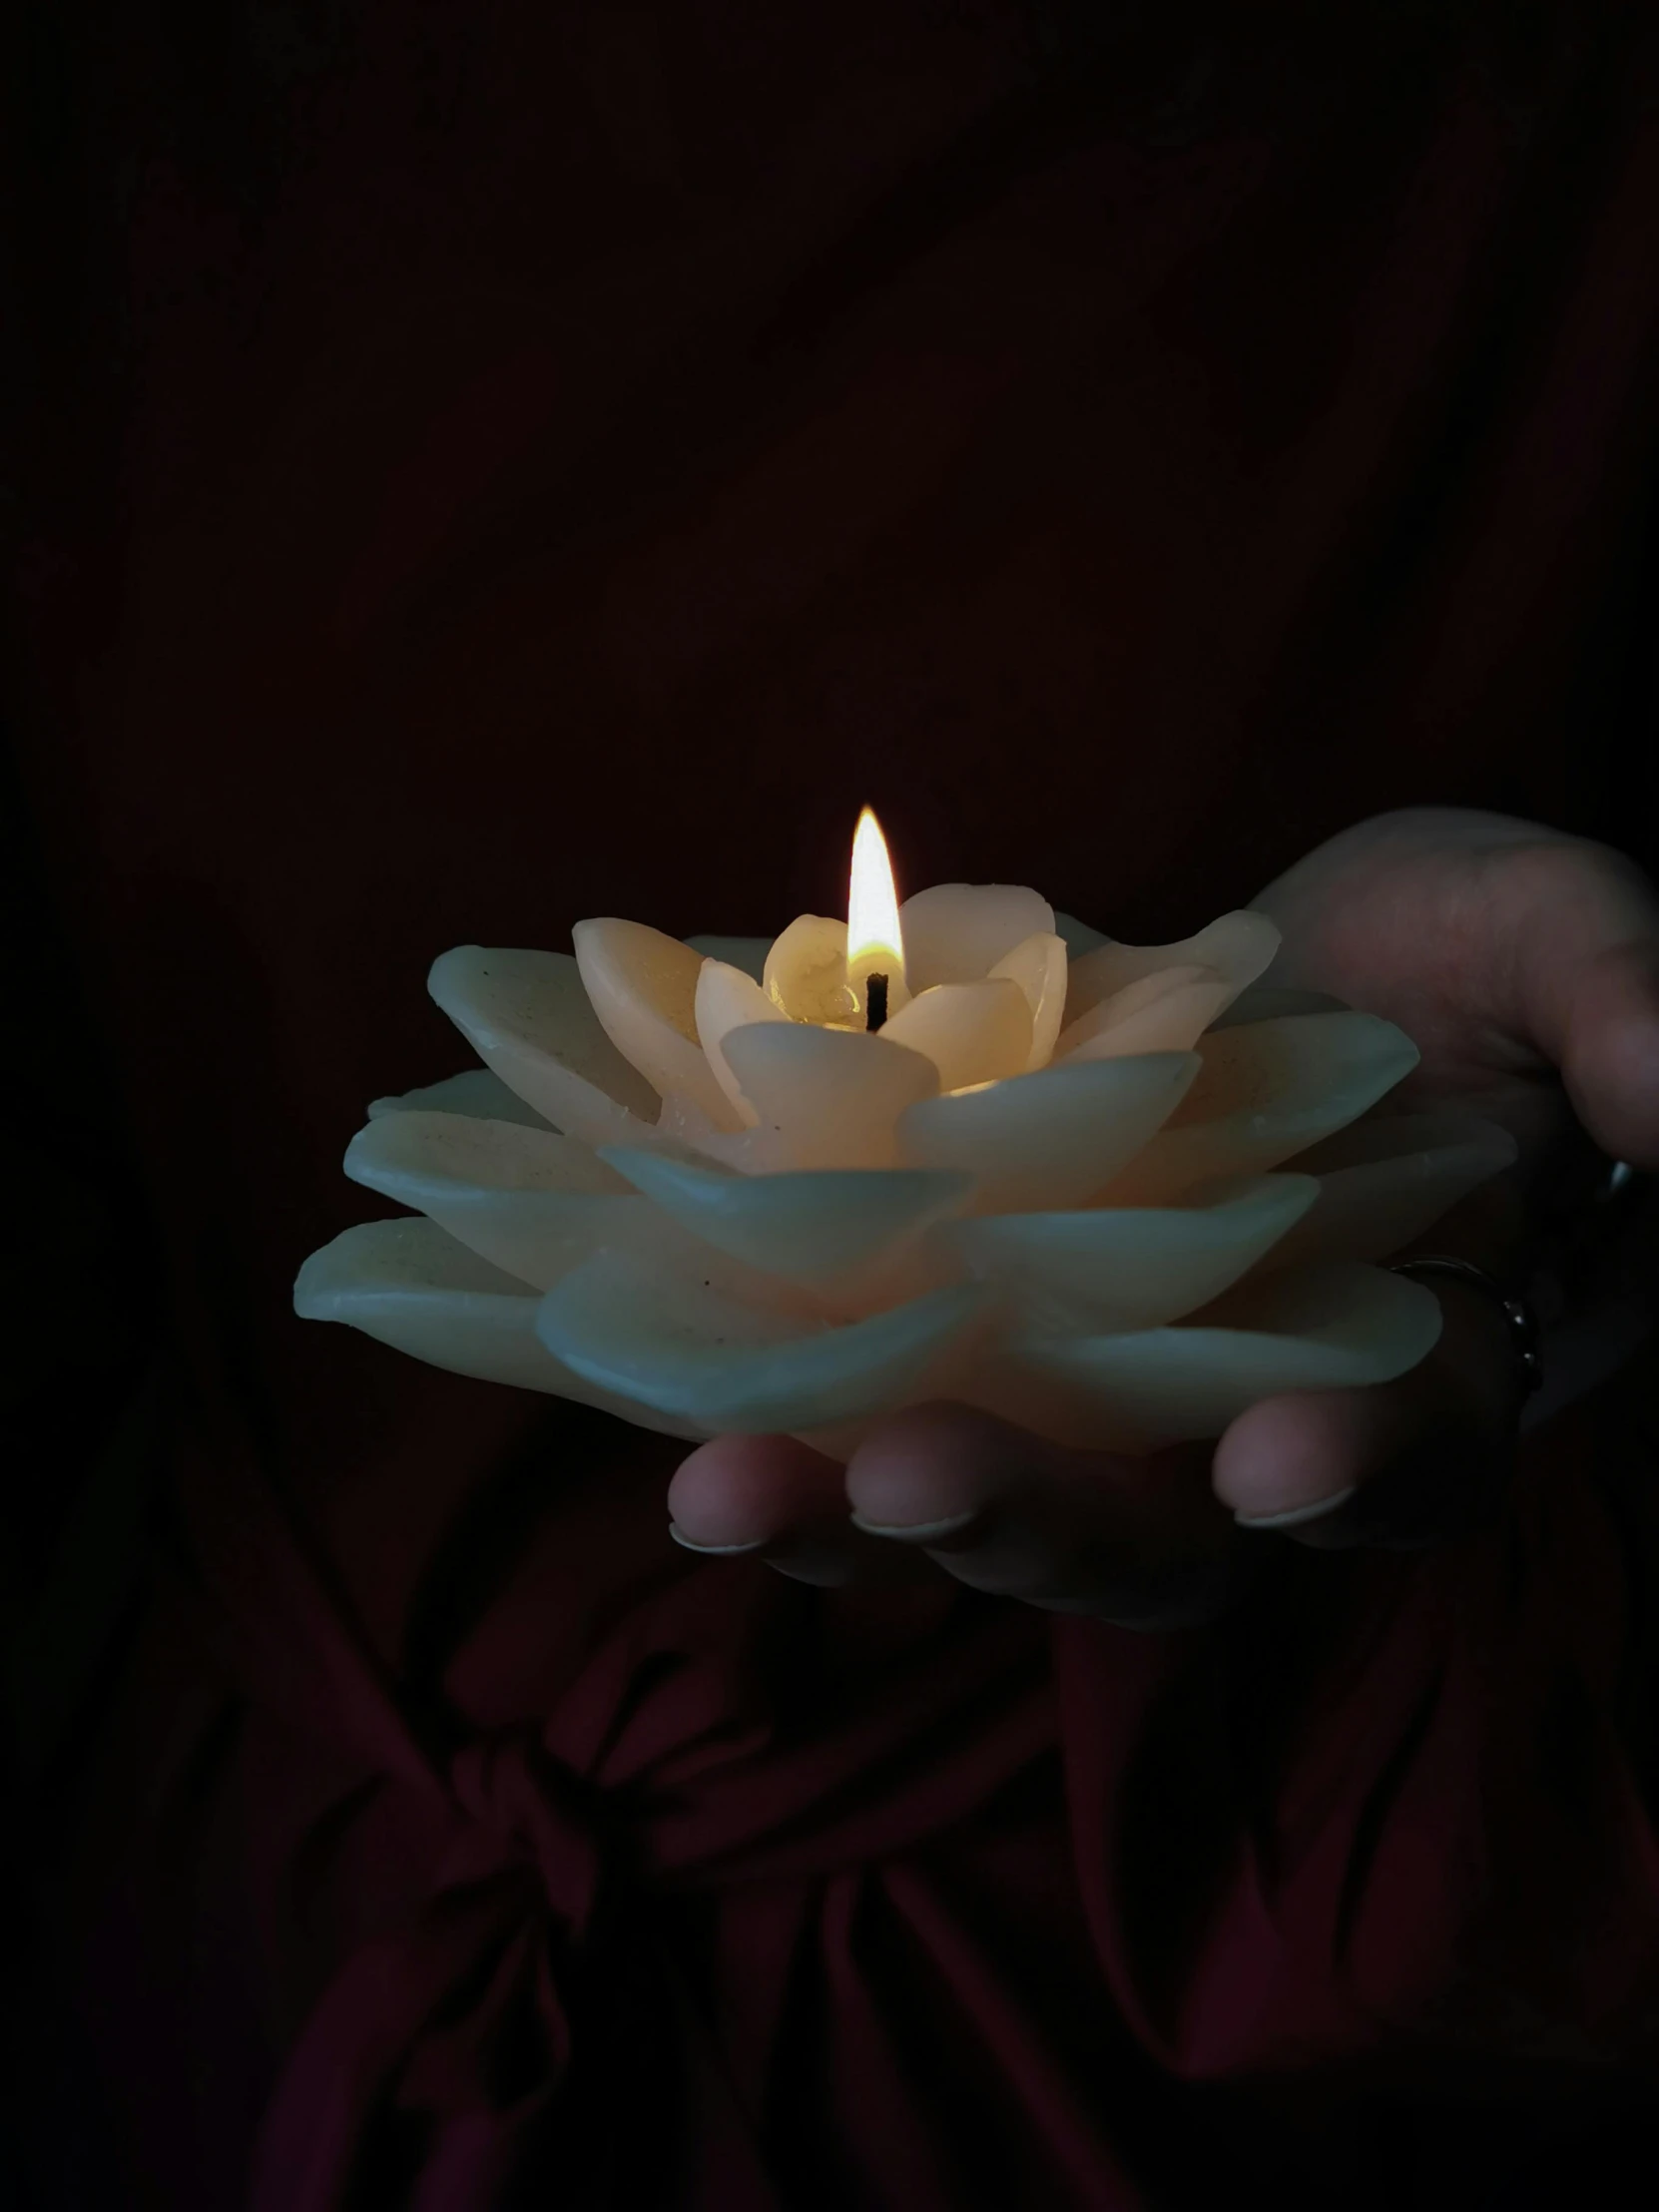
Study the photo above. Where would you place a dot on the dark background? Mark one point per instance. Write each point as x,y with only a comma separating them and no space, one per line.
231,114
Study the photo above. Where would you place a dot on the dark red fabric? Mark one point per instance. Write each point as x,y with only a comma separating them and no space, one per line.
563,460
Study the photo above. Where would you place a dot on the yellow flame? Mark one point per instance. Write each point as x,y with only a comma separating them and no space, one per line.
874,938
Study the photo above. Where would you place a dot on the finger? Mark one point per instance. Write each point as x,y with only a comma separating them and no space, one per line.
1611,1060
777,1500
1141,1541
1403,1463
1581,979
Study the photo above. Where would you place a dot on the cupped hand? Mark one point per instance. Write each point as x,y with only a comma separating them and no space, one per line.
1526,965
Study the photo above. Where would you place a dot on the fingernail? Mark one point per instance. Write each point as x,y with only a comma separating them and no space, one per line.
917,1532
715,1551
1295,1515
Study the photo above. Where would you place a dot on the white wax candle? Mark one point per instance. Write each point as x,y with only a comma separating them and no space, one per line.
722,1183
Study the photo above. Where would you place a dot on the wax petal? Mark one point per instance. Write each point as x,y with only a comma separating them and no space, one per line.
409,1284
1267,1091
683,1129
1079,937
1049,1139
747,953
1133,1266
1269,1001
804,973
972,1032
1239,947
1038,965
530,1202
728,999
1337,1327
777,1234
475,1091
827,1098
1383,1182
643,985
956,933
529,1020
821,1228
501,1155
1165,1012
697,1355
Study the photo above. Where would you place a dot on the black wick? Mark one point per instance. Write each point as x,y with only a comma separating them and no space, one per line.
875,1003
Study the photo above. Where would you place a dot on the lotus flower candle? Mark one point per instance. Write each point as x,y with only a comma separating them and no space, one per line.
960,1148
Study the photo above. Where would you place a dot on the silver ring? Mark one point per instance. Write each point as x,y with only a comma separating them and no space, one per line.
1615,1184
1518,1314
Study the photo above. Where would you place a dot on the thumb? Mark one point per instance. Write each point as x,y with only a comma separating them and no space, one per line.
1611,1066
1570,967
1595,1012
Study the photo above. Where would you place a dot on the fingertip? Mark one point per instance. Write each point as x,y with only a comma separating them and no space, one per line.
1299,1516
935,1462
1294,1454
747,1489
734,1458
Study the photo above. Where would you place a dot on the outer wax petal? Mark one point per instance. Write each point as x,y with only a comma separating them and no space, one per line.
1267,1091
1384,1182
1239,947
530,1202
409,1284
1324,1327
529,1020
1110,1269
643,985
821,1228
1049,1139
1269,1001
696,1354
1164,1012
475,1091
1079,937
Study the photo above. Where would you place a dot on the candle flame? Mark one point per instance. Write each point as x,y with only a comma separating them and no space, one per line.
873,938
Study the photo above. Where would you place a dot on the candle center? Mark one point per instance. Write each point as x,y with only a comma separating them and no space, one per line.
875,939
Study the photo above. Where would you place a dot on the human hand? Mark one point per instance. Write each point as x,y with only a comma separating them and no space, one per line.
1525,964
